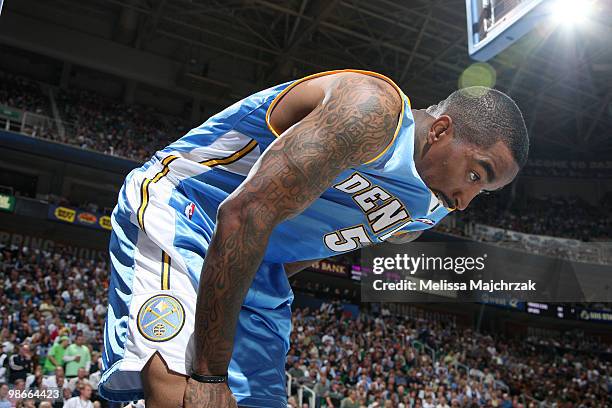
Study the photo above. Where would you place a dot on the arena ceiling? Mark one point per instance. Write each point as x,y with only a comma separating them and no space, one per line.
561,77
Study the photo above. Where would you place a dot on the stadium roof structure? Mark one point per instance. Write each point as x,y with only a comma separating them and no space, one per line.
219,51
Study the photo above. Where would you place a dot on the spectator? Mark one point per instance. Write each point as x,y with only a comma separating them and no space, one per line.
19,388
350,401
3,363
81,378
55,357
20,364
83,400
76,356
297,373
51,381
4,402
335,395
321,389
96,363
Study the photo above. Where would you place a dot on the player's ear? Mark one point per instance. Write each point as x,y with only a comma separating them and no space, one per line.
441,127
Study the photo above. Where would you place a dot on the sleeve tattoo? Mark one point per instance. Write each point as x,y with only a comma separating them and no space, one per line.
350,126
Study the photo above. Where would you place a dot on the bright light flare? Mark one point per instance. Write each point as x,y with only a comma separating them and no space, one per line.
572,12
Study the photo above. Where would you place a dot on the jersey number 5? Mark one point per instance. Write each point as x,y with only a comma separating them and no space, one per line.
347,239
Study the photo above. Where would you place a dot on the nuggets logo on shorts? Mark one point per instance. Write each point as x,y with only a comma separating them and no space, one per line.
161,318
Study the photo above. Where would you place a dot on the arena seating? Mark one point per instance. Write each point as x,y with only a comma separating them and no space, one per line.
387,361
382,358
22,93
97,123
567,217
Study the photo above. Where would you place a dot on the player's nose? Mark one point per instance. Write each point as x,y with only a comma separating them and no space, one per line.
464,197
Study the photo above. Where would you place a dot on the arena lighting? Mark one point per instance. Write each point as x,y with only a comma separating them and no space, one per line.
571,12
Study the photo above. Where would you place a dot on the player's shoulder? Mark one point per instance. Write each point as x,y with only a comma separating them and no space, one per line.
371,83
364,78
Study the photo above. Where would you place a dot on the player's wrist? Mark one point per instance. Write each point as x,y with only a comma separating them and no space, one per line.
209,379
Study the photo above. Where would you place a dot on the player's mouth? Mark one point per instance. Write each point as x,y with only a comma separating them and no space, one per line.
447,202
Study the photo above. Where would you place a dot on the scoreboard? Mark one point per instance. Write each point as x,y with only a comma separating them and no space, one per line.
568,312
551,310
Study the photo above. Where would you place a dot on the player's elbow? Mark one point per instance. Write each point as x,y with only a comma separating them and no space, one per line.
236,213
229,215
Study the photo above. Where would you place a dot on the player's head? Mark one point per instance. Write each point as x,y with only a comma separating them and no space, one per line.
477,141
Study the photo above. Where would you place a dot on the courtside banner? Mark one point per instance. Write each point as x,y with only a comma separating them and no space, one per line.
75,216
469,271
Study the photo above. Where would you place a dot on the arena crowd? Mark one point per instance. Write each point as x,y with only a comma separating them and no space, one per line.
52,314
22,93
377,361
564,216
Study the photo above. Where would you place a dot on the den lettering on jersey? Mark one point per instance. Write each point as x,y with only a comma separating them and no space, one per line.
385,214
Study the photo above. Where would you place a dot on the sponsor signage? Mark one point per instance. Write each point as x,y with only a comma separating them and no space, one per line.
7,112
502,301
105,222
63,214
7,202
569,312
332,268
78,217
16,240
595,315
87,218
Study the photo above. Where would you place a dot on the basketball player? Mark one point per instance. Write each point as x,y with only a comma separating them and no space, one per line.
199,299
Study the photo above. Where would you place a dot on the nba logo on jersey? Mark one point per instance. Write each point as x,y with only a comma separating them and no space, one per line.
189,210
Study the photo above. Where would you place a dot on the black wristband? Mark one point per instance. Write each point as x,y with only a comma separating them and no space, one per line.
211,379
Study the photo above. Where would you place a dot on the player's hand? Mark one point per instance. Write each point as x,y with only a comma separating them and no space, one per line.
77,358
203,395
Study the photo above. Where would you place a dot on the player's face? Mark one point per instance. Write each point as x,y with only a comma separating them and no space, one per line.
458,171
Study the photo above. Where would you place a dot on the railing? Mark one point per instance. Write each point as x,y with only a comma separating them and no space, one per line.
28,123
480,376
289,383
573,250
311,399
528,399
421,346
300,392
502,385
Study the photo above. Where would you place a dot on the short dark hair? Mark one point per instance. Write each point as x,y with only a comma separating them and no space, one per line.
484,116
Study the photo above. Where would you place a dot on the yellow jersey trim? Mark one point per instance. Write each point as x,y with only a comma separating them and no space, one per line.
144,189
359,71
233,157
165,276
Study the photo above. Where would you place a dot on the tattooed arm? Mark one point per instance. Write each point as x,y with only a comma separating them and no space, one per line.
350,121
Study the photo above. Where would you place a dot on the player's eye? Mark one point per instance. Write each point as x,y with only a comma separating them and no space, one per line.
474,177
